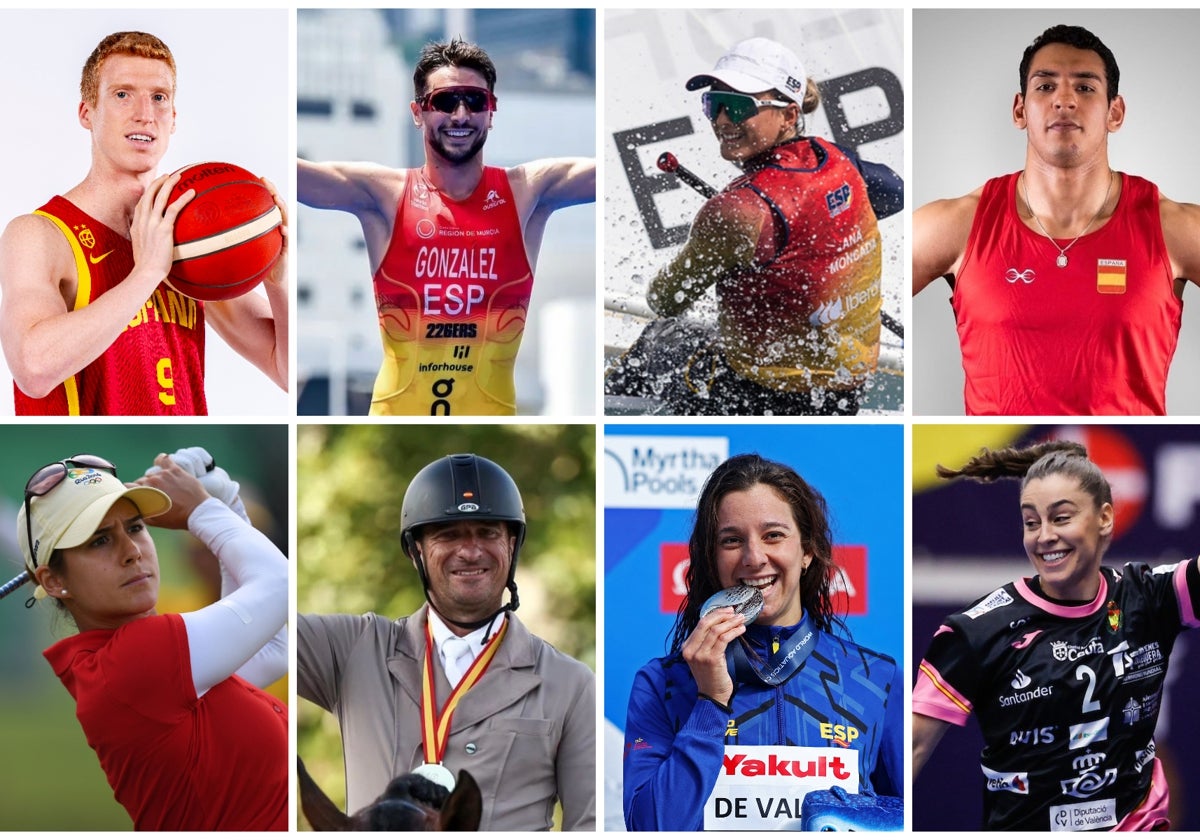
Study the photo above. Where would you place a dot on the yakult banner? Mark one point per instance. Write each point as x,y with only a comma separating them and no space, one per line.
762,788
653,475
856,58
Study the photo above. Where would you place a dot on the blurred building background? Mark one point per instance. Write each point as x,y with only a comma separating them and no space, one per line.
50,779
967,541
354,86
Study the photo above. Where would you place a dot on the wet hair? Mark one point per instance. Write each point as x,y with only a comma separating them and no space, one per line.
740,473
1082,39
138,44
454,53
1058,457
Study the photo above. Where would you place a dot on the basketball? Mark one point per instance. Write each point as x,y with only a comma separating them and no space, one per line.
228,236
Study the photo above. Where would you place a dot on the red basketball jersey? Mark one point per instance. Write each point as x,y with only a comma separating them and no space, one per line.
453,295
156,364
1093,338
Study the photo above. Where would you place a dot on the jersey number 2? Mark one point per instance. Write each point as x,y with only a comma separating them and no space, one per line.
1083,672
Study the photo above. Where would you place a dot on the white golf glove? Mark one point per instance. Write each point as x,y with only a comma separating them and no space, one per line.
218,484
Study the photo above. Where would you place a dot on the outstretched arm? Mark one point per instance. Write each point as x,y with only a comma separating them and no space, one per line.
724,237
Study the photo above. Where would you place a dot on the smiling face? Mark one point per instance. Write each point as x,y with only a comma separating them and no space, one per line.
458,137
133,116
1066,534
112,578
1065,110
760,545
467,565
765,130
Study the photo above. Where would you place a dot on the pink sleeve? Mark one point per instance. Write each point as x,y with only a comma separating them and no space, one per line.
934,697
1187,612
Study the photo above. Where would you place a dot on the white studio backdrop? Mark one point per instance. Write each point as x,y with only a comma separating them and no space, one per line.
233,103
965,75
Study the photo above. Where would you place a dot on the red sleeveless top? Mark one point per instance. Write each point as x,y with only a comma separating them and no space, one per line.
1093,338
155,366
809,317
453,294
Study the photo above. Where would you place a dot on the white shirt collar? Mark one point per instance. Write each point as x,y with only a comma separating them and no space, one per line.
442,633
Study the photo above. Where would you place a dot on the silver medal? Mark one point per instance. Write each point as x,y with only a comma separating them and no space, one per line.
437,774
745,600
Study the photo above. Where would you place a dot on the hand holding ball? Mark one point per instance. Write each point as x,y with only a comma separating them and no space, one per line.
228,236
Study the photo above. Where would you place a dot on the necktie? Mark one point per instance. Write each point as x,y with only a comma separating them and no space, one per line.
458,658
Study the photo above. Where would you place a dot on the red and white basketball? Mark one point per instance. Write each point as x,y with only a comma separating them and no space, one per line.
228,236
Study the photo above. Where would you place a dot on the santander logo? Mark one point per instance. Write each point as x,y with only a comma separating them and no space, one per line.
738,764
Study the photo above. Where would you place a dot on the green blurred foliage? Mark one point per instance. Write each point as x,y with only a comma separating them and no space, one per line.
350,486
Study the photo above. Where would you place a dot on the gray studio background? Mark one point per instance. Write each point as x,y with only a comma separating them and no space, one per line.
965,76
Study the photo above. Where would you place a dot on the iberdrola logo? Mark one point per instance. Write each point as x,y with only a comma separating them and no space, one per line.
1114,617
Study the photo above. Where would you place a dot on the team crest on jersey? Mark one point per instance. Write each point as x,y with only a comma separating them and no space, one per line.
995,601
86,238
1066,652
837,200
1114,617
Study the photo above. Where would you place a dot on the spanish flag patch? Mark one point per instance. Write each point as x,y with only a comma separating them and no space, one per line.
1110,277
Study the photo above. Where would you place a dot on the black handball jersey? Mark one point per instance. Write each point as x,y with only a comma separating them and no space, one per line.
1067,696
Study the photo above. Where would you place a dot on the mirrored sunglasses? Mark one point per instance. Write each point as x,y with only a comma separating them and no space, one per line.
739,107
52,475
447,100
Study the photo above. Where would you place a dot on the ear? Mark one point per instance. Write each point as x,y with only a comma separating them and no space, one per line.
1018,112
1116,113
85,115
53,582
1108,519
416,113
318,808
463,809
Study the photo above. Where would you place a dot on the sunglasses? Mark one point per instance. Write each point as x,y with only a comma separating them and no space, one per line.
52,475
448,99
739,107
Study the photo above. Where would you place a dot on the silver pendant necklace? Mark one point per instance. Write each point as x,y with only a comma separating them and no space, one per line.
1061,260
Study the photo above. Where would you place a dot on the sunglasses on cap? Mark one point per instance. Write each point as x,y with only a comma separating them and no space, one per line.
739,107
52,475
448,99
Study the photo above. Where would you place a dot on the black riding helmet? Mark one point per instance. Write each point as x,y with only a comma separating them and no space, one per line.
460,487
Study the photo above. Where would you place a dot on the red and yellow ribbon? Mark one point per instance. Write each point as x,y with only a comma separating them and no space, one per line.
435,728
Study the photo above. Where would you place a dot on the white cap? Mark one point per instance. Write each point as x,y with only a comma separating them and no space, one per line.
69,514
755,65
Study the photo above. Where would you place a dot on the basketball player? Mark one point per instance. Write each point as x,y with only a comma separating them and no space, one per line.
452,244
87,324
1067,277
